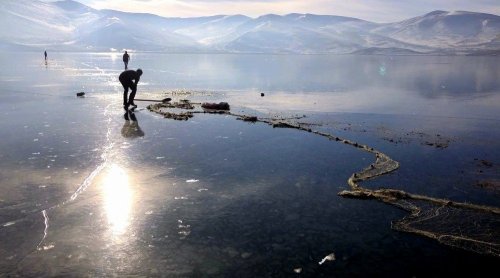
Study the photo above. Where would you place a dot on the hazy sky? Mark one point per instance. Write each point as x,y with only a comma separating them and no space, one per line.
372,10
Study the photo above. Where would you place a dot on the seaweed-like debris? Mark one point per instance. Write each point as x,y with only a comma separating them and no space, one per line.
178,116
282,124
215,111
157,108
247,118
216,106
183,104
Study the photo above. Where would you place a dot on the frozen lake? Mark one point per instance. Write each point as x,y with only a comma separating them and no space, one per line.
85,192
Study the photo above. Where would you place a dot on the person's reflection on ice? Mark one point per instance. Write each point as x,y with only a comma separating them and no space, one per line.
131,128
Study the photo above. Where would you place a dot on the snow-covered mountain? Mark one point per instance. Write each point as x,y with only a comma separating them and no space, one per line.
459,31
72,26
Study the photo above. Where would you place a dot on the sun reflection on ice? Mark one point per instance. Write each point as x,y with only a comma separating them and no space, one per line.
117,199
113,55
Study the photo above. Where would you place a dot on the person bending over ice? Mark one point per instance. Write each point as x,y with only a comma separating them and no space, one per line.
129,79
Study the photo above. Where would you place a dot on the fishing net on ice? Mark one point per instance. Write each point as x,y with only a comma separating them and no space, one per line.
468,226
464,225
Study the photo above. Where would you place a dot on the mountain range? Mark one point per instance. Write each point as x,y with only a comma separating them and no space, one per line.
71,26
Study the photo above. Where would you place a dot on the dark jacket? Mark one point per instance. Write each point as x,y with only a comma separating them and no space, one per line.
129,75
126,57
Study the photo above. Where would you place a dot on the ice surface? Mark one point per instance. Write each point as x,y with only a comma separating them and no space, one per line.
268,199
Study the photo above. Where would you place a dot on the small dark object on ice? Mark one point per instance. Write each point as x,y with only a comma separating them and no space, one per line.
261,94
80,94
486,163
216,106
248,118
282,124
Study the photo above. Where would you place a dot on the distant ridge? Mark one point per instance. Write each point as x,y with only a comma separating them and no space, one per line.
71,26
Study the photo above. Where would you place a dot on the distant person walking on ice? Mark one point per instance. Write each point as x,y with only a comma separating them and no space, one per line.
45,53
126,58
129,79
